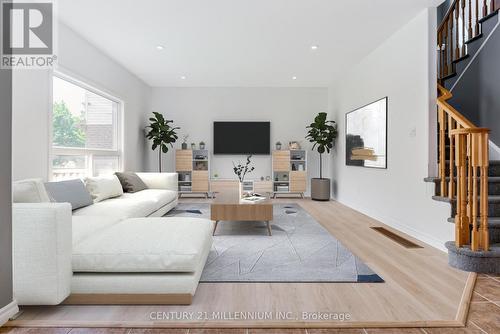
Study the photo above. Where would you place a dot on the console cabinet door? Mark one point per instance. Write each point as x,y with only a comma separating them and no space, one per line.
183,160
224,185
200,181
281,161
262,187
298,182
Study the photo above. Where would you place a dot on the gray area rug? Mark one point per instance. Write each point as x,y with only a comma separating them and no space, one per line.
300,250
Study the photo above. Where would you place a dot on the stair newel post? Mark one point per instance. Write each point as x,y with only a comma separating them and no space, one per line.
451,183
477,18
442,149
484,163
473,176
470,200
461,219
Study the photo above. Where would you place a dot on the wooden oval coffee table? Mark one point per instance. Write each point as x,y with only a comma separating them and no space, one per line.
227,206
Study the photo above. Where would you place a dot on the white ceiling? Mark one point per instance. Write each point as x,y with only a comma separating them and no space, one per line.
216,43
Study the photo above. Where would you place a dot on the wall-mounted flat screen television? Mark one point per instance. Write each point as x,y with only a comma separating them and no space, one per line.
242,137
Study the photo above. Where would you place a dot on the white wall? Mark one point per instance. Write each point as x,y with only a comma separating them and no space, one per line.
32,104
195,109
398,196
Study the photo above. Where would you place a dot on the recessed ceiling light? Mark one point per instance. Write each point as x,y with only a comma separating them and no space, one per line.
294,78
183,77
159,47
314,47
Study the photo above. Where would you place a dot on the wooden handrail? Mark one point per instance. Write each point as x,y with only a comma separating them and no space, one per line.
444,96
460,24
465,178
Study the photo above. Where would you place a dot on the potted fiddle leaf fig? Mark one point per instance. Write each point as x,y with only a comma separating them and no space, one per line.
321,133
162,134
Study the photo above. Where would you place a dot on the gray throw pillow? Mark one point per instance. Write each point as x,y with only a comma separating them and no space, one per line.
71,191
131,182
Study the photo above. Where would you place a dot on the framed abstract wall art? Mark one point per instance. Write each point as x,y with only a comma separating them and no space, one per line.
366,135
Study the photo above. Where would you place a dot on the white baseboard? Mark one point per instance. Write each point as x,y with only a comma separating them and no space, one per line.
424,237
8,311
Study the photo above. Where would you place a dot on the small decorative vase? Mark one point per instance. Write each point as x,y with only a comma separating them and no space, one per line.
278,147
184,146
240,189
202,146
193,146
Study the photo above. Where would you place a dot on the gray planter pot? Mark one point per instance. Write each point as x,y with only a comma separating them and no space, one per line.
320,189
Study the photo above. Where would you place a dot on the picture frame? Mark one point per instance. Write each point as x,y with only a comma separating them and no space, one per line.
366,135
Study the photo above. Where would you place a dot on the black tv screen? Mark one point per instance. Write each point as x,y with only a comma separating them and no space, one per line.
242,137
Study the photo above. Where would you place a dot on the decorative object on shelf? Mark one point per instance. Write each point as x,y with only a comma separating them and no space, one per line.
193,146
202,145
322,134
294,145
162,134
184,145
278,145
241,171
216,176
262,178
268,178
366,135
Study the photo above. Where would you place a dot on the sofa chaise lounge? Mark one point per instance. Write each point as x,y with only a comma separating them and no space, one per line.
117,251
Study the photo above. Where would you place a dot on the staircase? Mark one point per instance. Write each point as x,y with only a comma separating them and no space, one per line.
467,180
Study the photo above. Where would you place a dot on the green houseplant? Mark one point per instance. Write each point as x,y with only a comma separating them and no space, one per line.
321,133
162,133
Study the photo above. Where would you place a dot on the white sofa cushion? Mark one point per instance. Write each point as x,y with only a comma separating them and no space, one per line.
29,191
158,197
87,226
160,180
130,205
145,245
103,187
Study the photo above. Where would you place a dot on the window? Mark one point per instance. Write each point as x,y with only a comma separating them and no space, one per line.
85,133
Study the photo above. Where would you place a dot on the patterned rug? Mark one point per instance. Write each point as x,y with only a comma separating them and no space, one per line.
300,250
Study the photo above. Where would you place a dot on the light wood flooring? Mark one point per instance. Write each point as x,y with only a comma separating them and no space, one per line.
420,291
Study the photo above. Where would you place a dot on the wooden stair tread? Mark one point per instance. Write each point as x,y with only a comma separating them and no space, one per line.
493,222
491,199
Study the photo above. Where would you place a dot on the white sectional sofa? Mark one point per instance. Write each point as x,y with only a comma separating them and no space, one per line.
117,251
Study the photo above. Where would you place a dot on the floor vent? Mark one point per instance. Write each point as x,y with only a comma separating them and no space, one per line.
397,238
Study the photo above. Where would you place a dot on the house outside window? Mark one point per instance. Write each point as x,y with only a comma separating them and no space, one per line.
86,132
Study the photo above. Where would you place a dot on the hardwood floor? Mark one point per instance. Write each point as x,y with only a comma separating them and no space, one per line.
420,291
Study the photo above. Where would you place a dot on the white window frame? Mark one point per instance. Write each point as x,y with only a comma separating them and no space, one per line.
76,151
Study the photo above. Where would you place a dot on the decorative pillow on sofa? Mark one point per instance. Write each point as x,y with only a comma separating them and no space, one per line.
131,182
103,187
29,191
71,191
